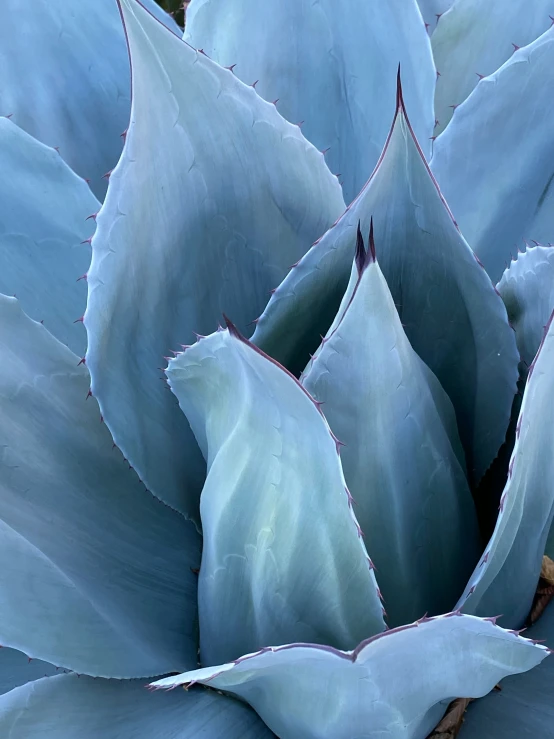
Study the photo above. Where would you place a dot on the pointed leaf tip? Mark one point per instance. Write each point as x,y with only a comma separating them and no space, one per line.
360,250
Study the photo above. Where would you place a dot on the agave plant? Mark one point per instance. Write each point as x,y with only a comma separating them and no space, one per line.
289,516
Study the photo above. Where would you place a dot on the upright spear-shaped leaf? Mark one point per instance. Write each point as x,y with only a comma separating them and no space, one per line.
453,317
331,65
213,199
283,557
402,460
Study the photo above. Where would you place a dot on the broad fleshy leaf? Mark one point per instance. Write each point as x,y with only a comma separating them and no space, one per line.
394,686
214,198
43,212
474,39
523,708
418,517
494,161
432,11
283,557
451,313
17,669
331,65
67,707
505,579
102,568
527,288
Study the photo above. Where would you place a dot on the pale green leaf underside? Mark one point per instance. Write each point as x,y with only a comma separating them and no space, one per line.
215,196
71,707
96,574
396,686
527,288
282,558
402,459
494,162
44,207
505,579
451,313
474,39
332,66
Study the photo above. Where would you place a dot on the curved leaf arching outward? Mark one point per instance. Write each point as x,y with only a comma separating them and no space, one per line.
65,78
523,707
501,200
67,707
432,11
44,207
527,289
283,557
102,568
450,311
331,66
506,577
403,461
213,199
17,669
394,686
474,39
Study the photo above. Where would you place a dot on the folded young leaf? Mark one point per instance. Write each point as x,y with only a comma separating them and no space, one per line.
523,707
331,65
395,686
96,574
283,557
499,199
42,229
17,669
474,39
214,198
67,707
527,289
505,579
402,460
451,313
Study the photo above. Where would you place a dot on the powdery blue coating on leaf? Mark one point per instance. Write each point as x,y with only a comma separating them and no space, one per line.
102,568
44,207
494,162
68,707
17,669
432,11
474,39
506,577
214,198
523,709
65,79
395,686
283,559
331,65
452,315
402,460
527,288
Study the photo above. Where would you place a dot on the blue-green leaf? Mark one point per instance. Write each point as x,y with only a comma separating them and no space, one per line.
523,708
432,11
494,161
527,288
283,557
214,198
71,707
394,686
331,65
44,207
474,39
451,313
96,574
17,669
417,516
505,579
